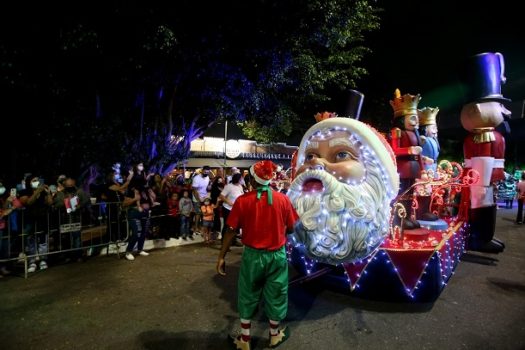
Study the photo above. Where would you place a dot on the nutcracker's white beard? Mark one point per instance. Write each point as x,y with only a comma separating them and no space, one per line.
345,222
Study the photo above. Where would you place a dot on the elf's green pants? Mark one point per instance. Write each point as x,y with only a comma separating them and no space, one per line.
267,273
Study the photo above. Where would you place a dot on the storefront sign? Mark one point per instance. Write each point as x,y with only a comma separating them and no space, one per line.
233,149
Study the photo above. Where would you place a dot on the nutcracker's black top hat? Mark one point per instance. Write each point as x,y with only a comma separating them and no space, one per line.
355,102
482,77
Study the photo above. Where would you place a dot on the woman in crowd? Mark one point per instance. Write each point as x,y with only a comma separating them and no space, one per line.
216,188
138,204
228,196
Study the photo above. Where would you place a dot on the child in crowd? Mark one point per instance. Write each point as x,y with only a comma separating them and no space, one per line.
185,209
173,215
207,219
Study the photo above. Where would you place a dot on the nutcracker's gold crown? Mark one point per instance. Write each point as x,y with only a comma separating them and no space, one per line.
404,105
427,115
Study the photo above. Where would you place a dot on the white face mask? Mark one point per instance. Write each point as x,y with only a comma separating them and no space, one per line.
34,184
140,168
2,190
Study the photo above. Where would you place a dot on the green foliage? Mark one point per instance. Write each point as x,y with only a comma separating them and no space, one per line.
119,81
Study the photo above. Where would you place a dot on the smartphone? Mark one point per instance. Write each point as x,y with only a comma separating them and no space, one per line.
13,192
53,188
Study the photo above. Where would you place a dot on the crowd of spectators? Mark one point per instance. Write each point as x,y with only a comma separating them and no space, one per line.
40,217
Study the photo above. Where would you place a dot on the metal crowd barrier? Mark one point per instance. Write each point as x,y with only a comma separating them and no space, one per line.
55,236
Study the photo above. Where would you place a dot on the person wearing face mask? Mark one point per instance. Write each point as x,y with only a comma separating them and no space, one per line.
5,210
69,203
138,174
36,199
200,185
112,195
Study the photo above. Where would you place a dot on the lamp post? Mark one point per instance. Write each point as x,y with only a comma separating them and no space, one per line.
225,139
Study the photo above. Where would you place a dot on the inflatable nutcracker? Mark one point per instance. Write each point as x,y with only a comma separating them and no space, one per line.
484,147
406,143
430,149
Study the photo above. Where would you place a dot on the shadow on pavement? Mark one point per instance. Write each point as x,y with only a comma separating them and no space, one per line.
506,285
479,259
303,297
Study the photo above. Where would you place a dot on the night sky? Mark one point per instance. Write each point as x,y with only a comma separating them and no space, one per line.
418,49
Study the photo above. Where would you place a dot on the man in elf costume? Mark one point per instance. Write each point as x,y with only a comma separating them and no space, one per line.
265,217
484,146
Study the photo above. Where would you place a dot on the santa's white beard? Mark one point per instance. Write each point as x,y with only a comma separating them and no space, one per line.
345,222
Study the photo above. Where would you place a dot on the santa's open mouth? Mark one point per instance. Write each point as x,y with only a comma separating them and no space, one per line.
313,185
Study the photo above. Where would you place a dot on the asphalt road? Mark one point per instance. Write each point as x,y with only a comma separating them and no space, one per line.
173,299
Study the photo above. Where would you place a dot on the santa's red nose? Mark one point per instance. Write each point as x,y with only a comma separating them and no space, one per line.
313,185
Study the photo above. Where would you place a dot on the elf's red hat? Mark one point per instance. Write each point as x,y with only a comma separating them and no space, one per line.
263,171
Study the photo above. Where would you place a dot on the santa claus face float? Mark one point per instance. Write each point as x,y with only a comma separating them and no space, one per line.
345,180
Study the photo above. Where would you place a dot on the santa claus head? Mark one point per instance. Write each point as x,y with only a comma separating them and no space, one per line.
346,178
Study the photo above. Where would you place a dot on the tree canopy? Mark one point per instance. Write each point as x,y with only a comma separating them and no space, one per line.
129,83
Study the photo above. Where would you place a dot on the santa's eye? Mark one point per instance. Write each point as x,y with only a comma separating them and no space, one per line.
344,155
311,156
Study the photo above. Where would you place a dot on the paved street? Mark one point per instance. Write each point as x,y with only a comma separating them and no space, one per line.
174,300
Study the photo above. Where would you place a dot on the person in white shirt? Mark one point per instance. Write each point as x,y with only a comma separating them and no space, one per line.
228,196
234,170
201,188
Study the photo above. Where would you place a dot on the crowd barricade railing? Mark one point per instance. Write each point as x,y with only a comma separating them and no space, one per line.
56,235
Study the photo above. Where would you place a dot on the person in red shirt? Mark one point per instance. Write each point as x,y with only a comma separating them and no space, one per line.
265,216
174,215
